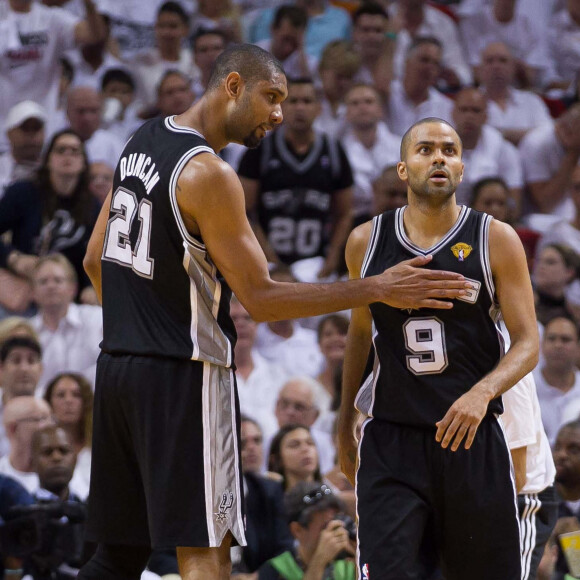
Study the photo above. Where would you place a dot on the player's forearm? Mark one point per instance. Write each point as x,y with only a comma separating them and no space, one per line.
281,301
521,359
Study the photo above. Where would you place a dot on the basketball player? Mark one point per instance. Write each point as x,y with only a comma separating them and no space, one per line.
433,480
171,240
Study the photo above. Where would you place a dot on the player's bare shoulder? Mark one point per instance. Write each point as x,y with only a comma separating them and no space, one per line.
207,171
356,247
505,246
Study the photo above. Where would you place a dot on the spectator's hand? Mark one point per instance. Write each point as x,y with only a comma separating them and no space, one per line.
89,296
463,418
333,540
22,264
547,564
408,285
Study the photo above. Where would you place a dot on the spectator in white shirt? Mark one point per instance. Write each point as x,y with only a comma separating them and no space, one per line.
549,155
84,112
286,41
33,38
558,378
25,129
485,152
372,40
258,380
171,30
415,97
207,46
414,18
337,68
69,333
510,110
500,21
368,144
22,417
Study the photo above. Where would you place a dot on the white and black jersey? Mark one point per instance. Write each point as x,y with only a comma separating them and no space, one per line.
294,206
426,359
162,294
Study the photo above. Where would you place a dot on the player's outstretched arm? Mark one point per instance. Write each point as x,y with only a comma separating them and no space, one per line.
514,292
92,260
358,345
211,201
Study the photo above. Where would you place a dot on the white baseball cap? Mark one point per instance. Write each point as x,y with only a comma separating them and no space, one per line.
22,112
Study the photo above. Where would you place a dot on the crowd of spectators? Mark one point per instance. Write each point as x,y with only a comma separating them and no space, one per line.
78,77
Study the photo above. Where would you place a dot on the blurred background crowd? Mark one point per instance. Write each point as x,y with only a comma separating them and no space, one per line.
78,77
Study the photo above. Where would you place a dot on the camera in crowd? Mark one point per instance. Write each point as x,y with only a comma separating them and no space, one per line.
45,535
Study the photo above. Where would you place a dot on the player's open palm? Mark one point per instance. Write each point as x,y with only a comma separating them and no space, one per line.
462,420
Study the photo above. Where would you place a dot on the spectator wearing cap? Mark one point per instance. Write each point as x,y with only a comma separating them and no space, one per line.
20,370
33,38
25,129
323,544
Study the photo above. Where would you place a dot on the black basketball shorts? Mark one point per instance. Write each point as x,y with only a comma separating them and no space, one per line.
166,458
420,506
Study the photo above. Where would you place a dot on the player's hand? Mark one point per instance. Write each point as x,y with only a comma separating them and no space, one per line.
462,419
408,285
333,540
347,450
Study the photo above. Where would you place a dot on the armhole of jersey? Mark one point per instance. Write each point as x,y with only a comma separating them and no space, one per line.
377,220
334,157
485,262
173,197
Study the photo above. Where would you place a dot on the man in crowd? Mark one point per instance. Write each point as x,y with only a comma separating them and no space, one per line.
174,93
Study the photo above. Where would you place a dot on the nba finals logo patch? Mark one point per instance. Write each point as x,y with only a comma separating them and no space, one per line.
461,251
365,572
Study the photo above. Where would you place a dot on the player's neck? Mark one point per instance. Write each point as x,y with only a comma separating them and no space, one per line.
202,118
427,222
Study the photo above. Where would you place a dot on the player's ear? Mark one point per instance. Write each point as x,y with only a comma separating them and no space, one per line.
234,85
402,170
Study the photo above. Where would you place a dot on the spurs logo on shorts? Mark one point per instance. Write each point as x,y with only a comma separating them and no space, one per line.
225,506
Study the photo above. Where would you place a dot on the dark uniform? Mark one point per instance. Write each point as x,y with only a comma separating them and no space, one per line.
295,200
165,459
418,502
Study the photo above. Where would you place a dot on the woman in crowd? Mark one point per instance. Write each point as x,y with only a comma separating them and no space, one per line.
70,397
55,212
491,195
294,456
332,342
556,267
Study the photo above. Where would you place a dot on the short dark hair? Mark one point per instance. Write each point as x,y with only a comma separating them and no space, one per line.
174,8
300,81
19,342
481,183
294,14
171,73
201,32
250,61
117,75
421,40
370,8
407,136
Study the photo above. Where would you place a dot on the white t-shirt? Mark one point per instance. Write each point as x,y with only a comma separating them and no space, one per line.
297,355
292,63
86,76
442,27
367,164
522,420
28,479
524,110
492,156
519,34
564,46
334,125
104,146
73,346
560,233
554,403
402,113
31,44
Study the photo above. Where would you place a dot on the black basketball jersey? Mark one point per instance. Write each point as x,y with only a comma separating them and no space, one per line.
162,294
426,359
294,205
